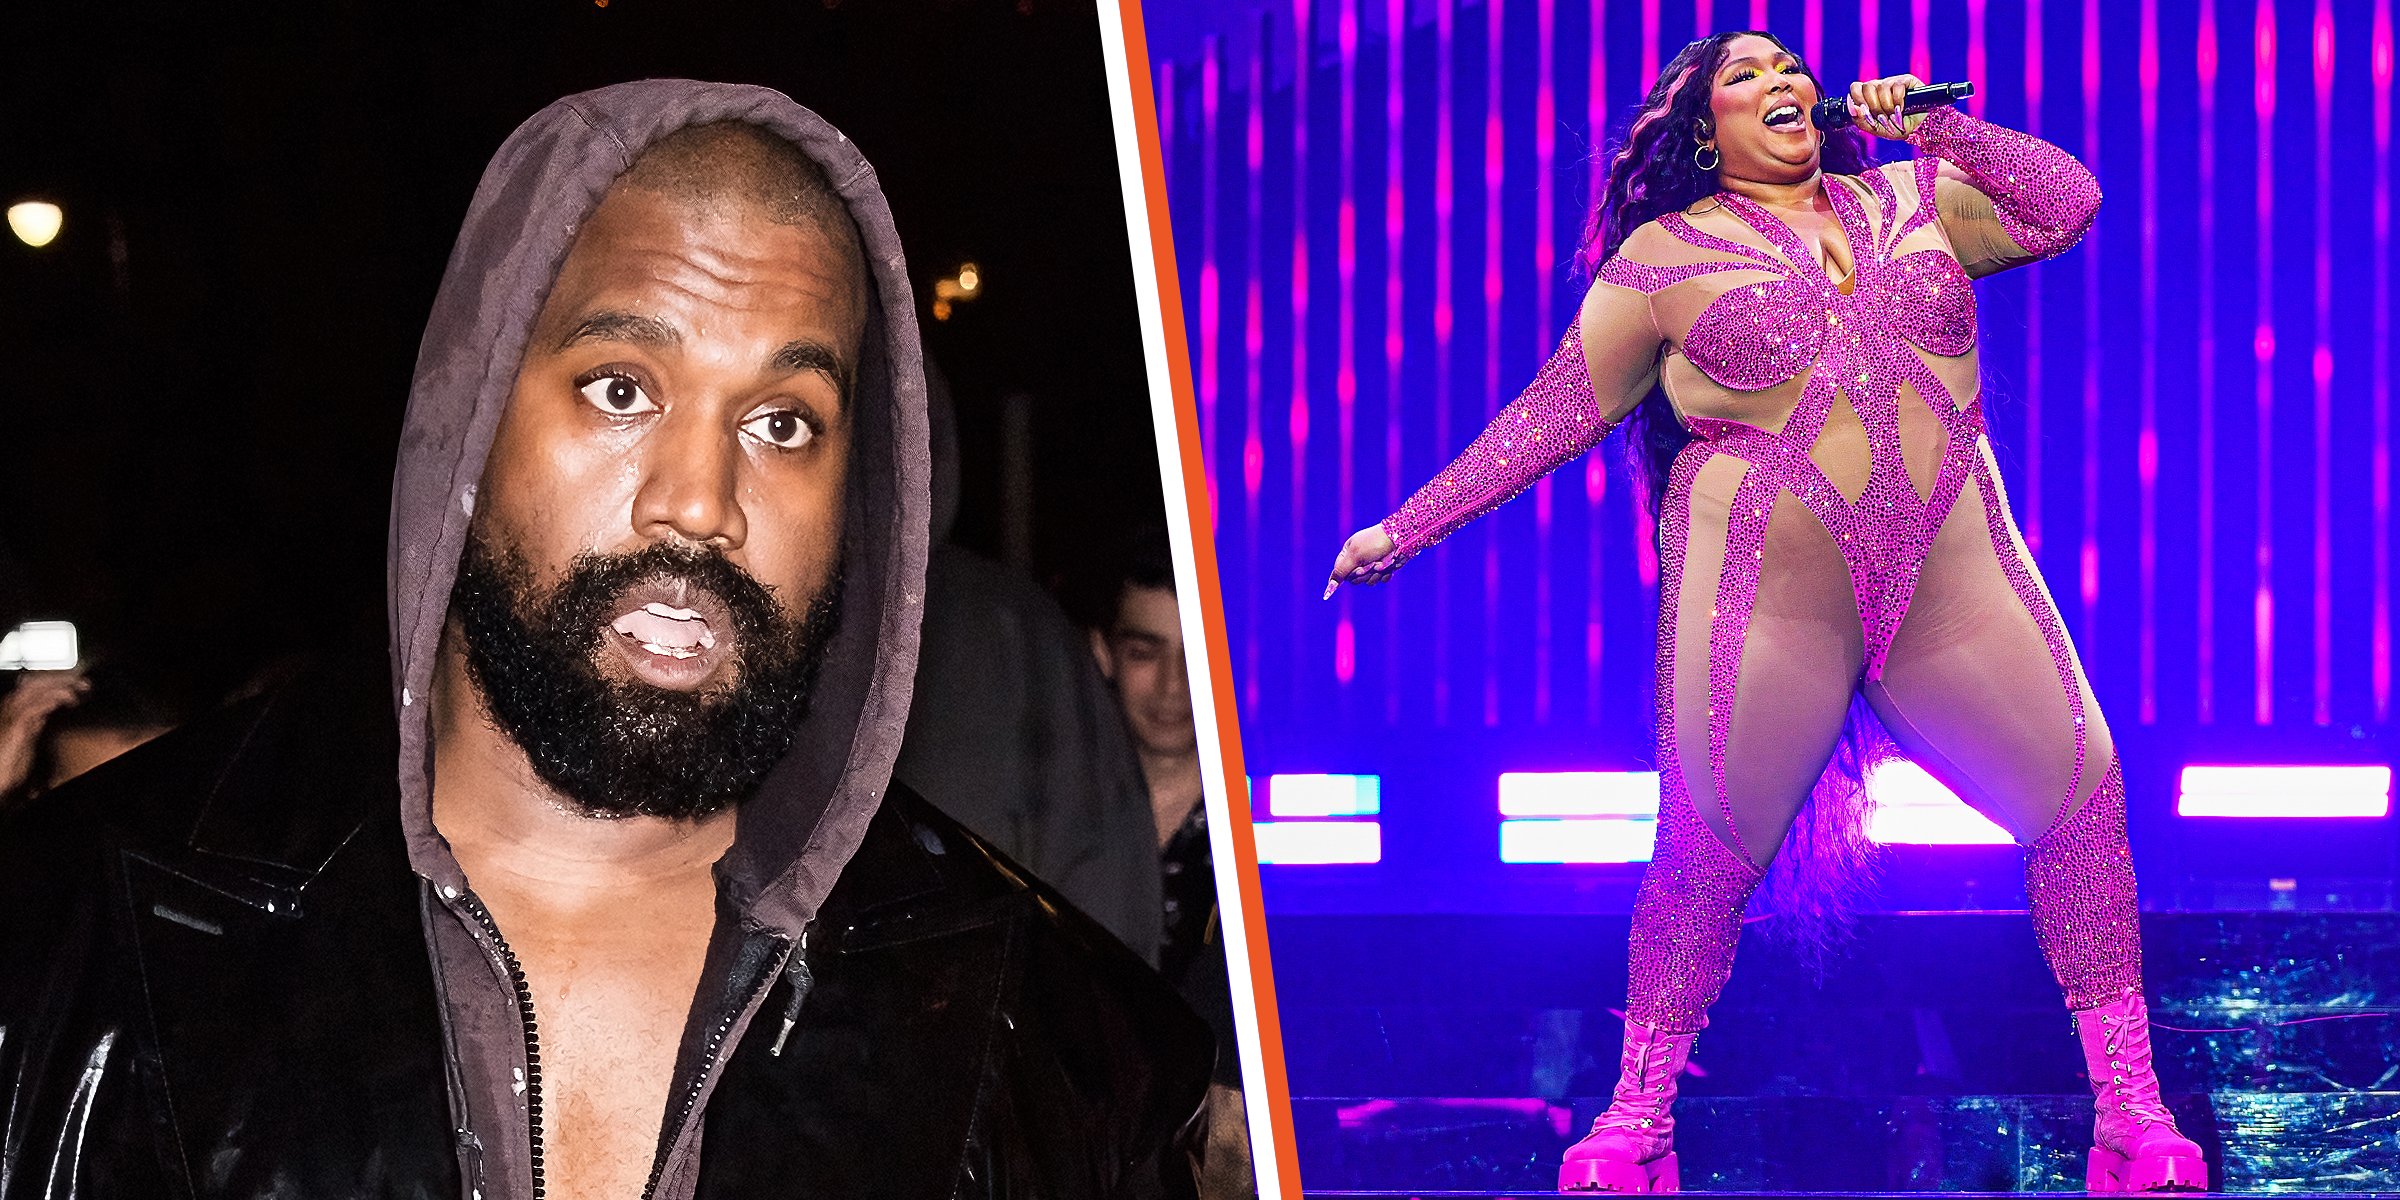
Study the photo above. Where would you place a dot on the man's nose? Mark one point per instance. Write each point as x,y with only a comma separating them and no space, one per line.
690,484
1173,681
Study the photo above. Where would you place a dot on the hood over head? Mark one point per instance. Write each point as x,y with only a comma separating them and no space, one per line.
809,814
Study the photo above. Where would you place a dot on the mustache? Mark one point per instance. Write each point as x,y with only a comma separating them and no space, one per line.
619,748
579,608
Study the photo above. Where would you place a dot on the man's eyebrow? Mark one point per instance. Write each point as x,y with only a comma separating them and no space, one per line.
805,355
1753,60
613,325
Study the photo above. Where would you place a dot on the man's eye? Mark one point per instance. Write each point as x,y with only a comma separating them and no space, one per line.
616,395
784,428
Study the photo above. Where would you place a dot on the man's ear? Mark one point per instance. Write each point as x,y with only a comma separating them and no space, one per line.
1102,655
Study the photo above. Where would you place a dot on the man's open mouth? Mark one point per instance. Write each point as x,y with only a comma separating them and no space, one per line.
665,629
1783,116
671,633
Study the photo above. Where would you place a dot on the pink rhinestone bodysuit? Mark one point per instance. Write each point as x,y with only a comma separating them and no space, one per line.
1815,543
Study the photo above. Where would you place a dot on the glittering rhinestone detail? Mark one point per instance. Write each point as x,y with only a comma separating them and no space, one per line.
2041,195
1553,422
2079,879
1866,347
1687,915
2036,600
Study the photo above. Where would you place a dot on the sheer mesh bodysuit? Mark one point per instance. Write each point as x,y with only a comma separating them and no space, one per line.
1836,526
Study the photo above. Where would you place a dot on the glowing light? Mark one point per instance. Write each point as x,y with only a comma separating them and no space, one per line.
1316,843
970,280
1324,795
35,222
2285,791
40,646
1578,840
1912,808
1579,794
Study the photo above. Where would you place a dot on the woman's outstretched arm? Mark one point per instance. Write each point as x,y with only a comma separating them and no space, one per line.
1602,368
2005,198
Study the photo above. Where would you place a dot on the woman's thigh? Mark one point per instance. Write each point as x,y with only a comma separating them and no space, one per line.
1761,651
1982,687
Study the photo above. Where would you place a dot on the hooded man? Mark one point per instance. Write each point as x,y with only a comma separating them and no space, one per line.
640,912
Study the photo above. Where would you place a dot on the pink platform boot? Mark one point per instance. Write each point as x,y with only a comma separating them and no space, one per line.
2135,1145
1632,1146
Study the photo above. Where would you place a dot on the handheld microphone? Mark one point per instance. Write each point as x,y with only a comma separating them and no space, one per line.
1833,112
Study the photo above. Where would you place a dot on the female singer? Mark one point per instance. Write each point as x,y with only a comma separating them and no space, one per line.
1789,334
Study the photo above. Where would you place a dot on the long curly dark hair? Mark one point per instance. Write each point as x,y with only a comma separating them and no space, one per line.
1654,173
1826,863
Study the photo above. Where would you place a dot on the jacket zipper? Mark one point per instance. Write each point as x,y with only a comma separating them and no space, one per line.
796,969
533,1037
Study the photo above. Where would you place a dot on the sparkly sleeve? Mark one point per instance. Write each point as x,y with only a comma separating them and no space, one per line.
1586,388
2006,198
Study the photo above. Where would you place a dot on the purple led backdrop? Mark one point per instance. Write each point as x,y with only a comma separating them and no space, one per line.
2191,409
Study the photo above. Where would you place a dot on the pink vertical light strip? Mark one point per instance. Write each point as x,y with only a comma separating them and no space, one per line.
1493,64
1595,476
1254,344
1303,65
2380,668
1545,260
1704,17
1977,57
1649,40
1395,223
1445,318
1758,14
1345,378
2147,464
1645,543
1812,37
1870,32
2205,547
2321,361
2036,390
1211,278
2262,349
2090,548
1920,42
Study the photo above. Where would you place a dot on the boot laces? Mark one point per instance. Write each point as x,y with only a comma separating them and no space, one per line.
2134,1082
1641,1093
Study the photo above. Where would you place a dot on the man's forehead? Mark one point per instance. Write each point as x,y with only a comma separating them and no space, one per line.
1150,610
639,241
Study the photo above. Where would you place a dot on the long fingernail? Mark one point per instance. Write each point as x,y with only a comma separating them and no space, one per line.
1329,589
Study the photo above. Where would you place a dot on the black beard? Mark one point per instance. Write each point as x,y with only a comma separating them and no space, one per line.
631,749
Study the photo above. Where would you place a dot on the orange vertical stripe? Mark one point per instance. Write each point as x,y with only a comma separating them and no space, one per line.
1204,560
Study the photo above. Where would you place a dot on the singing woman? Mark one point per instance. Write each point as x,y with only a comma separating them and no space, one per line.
1787,330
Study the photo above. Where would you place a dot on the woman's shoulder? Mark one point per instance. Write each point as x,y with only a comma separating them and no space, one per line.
1647,237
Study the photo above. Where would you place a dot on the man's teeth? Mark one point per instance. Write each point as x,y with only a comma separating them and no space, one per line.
670,612
1775,116
672,651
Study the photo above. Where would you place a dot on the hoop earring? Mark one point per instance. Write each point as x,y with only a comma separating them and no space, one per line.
1713,157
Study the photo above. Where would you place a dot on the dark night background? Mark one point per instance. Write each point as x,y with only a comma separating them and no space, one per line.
206,370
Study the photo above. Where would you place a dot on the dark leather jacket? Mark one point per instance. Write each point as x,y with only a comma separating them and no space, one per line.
214,982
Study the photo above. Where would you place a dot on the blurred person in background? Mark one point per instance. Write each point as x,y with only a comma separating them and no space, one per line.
56,725
1138,642
33,700
1013,733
